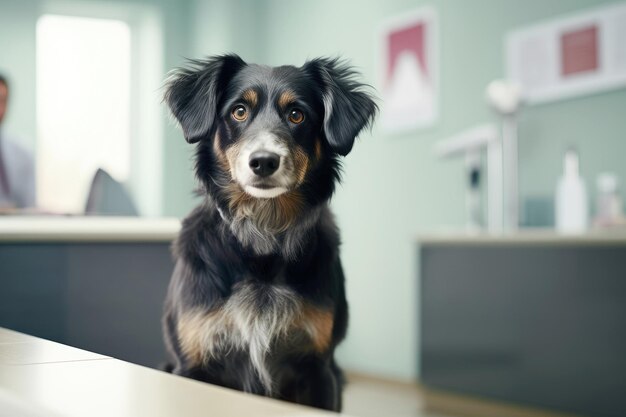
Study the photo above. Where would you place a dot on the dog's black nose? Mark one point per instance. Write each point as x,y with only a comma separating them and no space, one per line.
264,163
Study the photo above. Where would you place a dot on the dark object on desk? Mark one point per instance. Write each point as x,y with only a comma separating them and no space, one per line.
109,197
535,324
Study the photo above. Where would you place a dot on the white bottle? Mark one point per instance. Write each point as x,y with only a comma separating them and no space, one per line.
571,198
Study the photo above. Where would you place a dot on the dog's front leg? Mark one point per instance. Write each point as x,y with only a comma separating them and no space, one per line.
319,386
326,390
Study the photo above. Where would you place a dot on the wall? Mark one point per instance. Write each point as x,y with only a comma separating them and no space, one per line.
394,188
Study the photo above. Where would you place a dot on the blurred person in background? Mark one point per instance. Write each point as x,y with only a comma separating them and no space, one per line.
17,169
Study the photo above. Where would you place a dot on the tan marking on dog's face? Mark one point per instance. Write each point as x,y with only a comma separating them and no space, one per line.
232,155
221,157
286,98
318,323
318,149
251,97
301,164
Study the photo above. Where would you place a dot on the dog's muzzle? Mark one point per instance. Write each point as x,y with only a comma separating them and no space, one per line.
263,167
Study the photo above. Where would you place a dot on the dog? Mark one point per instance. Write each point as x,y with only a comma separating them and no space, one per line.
257,301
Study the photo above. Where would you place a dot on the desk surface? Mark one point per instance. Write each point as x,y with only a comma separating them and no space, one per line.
87,229
43,378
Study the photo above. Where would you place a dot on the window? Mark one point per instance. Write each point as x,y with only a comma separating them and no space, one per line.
83,107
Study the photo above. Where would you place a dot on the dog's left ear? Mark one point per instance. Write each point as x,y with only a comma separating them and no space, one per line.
347,107
193,93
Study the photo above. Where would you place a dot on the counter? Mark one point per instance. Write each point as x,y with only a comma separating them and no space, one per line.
92,229
97,283
533,318
525,237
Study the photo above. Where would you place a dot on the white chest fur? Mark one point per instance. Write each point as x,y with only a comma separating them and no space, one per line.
252,319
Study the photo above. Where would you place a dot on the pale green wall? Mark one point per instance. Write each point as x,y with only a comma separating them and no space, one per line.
394,188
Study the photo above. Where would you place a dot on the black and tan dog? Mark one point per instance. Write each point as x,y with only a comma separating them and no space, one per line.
257,299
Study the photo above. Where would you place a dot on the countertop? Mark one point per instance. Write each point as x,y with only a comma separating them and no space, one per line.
43,378
524,237
87,228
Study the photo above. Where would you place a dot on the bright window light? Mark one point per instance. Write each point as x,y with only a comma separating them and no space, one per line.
83,105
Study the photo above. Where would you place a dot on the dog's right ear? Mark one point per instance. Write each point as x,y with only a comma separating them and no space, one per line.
193,93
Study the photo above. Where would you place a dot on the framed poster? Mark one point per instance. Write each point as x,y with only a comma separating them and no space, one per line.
575,55
408,71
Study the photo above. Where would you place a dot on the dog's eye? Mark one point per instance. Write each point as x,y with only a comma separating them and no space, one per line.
240,113
296,116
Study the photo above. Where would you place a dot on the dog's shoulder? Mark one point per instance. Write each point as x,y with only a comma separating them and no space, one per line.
200,231
328,231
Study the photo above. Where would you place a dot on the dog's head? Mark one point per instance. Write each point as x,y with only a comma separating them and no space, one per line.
269,131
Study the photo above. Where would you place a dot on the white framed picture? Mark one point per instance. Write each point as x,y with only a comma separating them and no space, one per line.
409,71
575,55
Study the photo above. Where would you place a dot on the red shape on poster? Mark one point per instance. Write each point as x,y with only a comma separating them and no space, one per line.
579,51
411,39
